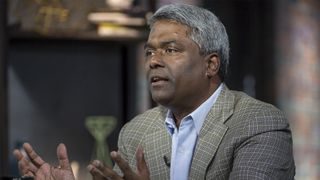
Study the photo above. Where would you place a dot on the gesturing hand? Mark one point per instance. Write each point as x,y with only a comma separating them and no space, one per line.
101,172
41,170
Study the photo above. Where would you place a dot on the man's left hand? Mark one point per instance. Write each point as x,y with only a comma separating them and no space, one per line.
101,172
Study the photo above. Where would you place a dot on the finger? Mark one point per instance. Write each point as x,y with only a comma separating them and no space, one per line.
63,157
105,170
29,174
34,157
24,170
95,173
19,156
141,163
123,165
24,165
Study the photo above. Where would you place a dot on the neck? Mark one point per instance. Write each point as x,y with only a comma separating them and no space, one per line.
183,110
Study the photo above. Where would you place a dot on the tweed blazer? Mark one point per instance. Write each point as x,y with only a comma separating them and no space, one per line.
241,138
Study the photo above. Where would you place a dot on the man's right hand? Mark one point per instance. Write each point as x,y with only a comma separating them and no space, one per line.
41,170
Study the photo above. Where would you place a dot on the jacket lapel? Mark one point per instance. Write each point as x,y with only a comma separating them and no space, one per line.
211,134
158,149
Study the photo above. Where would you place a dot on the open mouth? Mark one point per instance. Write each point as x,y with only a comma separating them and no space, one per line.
157,79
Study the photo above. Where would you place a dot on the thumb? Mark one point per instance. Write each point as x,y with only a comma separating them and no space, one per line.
63,156
141,163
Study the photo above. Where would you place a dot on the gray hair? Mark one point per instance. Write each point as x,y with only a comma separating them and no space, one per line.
207,31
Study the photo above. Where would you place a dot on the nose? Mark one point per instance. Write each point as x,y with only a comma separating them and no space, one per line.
156,61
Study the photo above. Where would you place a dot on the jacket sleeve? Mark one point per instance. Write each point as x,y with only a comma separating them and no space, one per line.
266,151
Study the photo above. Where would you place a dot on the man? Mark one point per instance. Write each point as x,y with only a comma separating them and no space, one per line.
201,130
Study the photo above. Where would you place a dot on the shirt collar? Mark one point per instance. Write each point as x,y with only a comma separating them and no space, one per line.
198,116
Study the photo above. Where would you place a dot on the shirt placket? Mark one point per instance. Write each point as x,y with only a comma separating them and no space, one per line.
183,154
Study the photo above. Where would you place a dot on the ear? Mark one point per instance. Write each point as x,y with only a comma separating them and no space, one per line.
213,64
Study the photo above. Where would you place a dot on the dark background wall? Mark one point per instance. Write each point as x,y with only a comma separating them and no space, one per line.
3,91
250,26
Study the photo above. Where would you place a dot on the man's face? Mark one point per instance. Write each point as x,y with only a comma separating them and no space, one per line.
176,71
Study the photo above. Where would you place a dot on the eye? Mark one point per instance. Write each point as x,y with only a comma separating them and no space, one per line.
171,50
149,52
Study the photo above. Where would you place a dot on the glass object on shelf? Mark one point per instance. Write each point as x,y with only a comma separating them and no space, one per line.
100,128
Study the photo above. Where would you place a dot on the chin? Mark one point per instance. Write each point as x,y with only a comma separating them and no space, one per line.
162,100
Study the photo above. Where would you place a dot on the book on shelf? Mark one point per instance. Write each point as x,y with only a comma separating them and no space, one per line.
117,24
116,18
106,29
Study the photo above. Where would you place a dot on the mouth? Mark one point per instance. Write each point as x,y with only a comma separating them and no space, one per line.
157,79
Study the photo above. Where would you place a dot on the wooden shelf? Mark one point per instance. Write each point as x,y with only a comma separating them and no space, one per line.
90,35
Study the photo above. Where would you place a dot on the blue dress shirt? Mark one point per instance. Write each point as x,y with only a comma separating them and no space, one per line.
185,137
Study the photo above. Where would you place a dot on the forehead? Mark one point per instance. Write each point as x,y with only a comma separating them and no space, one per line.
169,29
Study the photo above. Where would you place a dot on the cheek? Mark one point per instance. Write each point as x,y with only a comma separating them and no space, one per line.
190,70
181,78
146,66
191,77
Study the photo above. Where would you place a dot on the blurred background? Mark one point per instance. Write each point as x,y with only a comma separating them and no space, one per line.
63,62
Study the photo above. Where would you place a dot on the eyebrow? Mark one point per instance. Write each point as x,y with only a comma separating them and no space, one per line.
162,44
